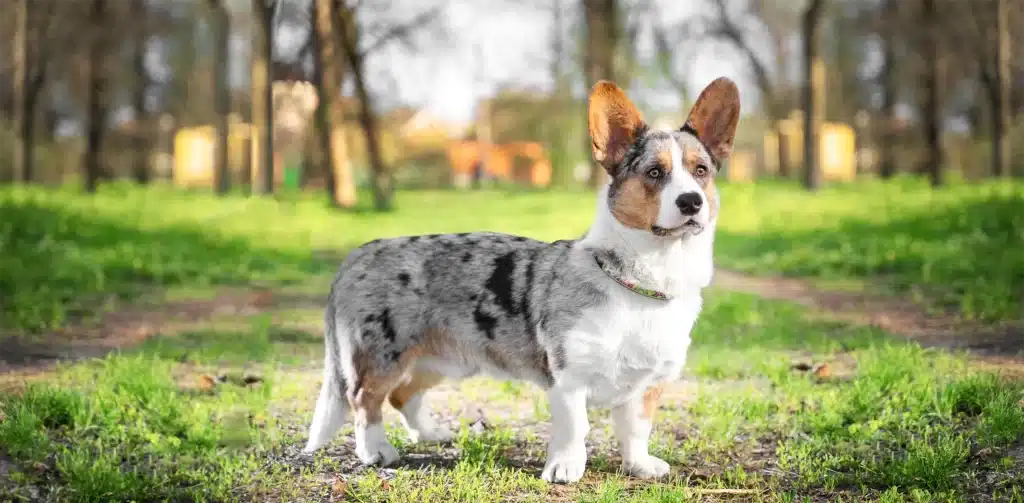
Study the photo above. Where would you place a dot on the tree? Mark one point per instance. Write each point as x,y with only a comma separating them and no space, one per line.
1002,112
20,89
262,93
768,71
382,182
140,137
329,115
220,22
601,23
887,166
932,110
357,46
33,45
96,95
811,40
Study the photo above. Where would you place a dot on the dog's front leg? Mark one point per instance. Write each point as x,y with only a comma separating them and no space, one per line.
632,424
567,450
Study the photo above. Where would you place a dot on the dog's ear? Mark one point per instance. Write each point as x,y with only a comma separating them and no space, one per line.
715,115
614,123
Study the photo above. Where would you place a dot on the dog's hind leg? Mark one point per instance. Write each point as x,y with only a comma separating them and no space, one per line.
408,399
372,446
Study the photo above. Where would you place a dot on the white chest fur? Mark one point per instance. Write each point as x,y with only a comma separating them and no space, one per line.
616,352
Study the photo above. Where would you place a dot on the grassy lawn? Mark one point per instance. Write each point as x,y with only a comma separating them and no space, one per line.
958,246
65,256
869,417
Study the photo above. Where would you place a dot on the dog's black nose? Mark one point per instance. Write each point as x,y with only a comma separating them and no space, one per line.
689,203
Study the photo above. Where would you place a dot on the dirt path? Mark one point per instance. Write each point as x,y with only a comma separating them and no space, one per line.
125,327
1000,344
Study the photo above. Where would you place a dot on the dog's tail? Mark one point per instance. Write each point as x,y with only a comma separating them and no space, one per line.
332,406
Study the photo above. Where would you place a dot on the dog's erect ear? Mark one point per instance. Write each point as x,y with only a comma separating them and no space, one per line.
715,115
614,123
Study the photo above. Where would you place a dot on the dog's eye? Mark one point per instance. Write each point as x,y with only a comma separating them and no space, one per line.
654,173
701,170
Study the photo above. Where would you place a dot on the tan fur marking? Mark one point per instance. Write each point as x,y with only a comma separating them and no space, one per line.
418,382
635,204
692,160
665,160
712,194
706,182
651,399
373,387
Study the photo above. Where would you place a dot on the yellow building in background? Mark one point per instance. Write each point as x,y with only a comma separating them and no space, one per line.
837,157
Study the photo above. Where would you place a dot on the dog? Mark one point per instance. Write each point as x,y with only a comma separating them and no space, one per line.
603,320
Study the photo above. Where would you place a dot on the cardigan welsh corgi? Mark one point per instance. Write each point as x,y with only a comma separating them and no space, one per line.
603,320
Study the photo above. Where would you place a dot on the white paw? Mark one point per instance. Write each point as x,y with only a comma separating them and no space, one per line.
373,448
565,468
649,467
378,453
437,434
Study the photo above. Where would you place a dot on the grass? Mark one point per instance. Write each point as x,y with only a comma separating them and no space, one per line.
134,426
955,244
889,421
65,256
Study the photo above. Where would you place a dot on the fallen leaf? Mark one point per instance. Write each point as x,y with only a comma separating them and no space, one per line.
385,485
207,382
262,298
982,453
822,370
339,487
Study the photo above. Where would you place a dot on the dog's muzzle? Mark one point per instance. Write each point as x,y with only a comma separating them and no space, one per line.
691,226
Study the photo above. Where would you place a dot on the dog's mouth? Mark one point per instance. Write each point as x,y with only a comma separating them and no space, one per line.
690,226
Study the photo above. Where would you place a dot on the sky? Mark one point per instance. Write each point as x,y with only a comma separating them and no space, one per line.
514,44
480,46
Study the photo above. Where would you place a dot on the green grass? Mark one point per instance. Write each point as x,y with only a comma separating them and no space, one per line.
959,244
894,422
64,256
133,426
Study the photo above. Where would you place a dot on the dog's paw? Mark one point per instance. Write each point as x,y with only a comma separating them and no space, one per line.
438,434
563,469
380,453
648,467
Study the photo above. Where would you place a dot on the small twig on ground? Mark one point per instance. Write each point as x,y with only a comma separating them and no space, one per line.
700,491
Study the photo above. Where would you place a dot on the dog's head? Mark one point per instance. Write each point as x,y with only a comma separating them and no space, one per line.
663,182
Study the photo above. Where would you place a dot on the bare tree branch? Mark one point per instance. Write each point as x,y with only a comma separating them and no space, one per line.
402,31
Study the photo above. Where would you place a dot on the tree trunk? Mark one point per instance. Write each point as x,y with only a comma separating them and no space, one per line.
329,116
811,25
140,136
262,95
96,107
1001,110
221,24
19,94
382,183
887,163
601,26
933,93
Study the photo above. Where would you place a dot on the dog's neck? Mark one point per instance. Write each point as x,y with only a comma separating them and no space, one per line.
675,266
